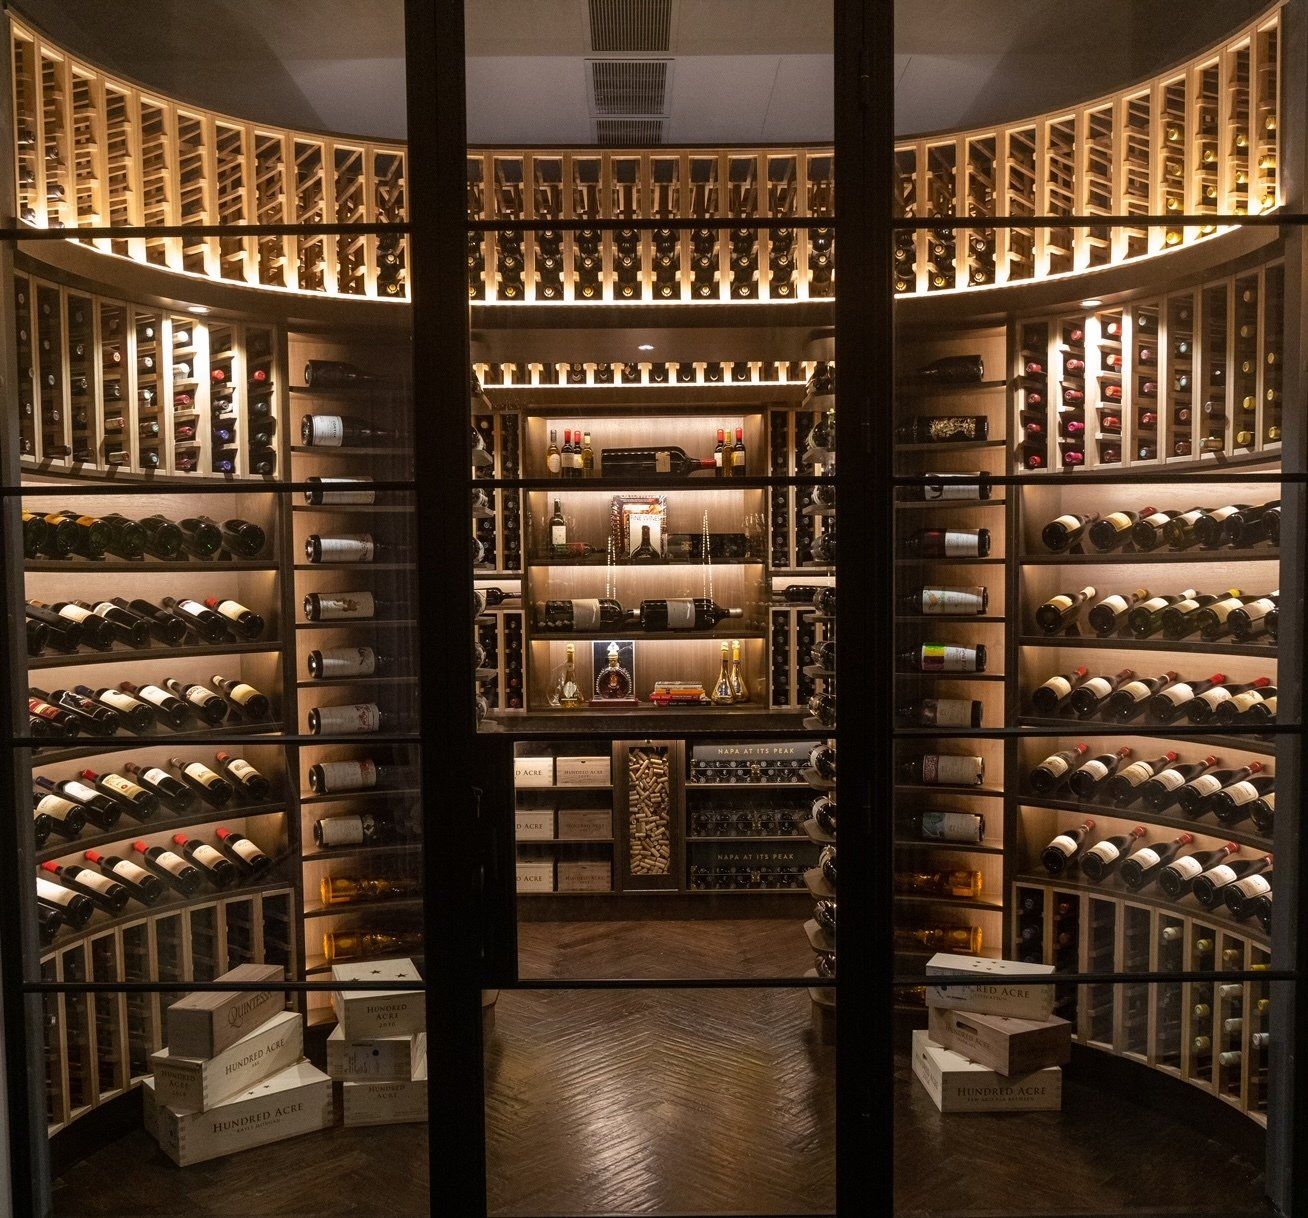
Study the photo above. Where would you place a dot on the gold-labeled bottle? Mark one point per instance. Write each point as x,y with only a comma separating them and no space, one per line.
960,882
363,945
965,940
739,690
348,890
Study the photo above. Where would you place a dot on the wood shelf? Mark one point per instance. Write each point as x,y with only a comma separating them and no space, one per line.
1244,833
1114,557
1227,646
133,654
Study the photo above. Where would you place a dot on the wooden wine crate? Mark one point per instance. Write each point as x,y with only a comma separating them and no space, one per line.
1008,1046
378,1059
958,1085
997,987
204,1024
364,1014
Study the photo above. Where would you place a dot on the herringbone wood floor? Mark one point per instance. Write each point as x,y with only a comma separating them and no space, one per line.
693,1102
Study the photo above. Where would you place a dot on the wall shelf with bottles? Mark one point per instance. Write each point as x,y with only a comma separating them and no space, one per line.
1123,154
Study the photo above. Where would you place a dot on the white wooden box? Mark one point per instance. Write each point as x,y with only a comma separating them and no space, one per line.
1002,991
956,1084
587,876
535,877
533,771
196,1084
398,1102
582,771
383,1059
203,1024
365,1014
294,1101
593,824
533,825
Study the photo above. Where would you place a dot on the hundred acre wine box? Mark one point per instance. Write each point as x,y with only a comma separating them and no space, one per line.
581,771
293,1101
396,1102
196,1084
1007,1045
956,1084
204,1024
998,988
382,1059
364,1014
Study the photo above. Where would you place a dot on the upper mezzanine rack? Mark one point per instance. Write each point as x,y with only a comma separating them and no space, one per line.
1200,139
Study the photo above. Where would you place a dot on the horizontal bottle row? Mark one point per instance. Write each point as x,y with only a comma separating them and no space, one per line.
65,534
1141,614
1238,525
1125,696
67,627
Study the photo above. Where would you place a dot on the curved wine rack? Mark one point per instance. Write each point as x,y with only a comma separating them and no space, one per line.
1201,139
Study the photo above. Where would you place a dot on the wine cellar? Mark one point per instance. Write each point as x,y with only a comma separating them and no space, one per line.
256,749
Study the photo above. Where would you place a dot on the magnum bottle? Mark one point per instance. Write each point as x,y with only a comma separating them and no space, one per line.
942,712
948,543
648,462
338,663
943,429
945,602
355,829
1251,619
953,370
599,613
252,704
688,613
967,827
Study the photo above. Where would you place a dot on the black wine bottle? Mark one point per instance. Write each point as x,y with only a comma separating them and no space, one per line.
1125,787
1104,857
1088,778
1178,877
1164,789
1052,771
1145,865
1059,854
1196,797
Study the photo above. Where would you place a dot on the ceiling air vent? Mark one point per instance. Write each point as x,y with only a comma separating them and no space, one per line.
635,87
624,27
628,132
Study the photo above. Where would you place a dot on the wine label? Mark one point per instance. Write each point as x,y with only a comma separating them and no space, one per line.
1223,512
347,662
1070,523
242,769
947,769
1138,690
951,826
200,695
57,807
171,862
118,700
586,614
961,545
1064,843
945,657
1117,603
1060,686
1169,780
1205,784
55,893
1119,520
1158,519
152,693
349,547
242,693
194,607
338,606
1056,766
1221,875
327,491
1187,867
1147,857
950,427
953,600
130,872
1255,885
1178,693
80,791
339,720
124,786
1155,603
663,461
207,855
1221,610
681,614
327,430
246,849
93,879
558,534
156,775
341,831
200,772
1097,769
1100,687
1218,694
944,486
1241,793
1106,851
232,609
1136,773
952,712
1062,602
554,463
75,613
1250,697
348,775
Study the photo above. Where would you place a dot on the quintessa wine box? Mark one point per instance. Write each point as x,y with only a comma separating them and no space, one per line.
293,1101
204,1024
392,1103
196,1084
533,771
534,824
958,1085
998,990
383,1059
364,1014
1008,1046
592,823
581,771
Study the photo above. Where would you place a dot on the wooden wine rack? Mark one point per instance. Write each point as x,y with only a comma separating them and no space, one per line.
1201,139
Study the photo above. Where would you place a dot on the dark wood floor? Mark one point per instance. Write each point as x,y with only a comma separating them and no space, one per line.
695,1102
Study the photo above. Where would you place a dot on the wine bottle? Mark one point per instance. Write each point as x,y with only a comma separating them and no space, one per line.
132,798
351,548
649,462
935,487
170,711
65,817
1204,707
212,866
943,429
1091,695
341,431
77,620
364,945
1164,789
1240,895
340,663
201,537
207,625
355,829
1114,530
1178,877
335,374
1057,856
948,543
1146,618
688,613
1131,699
139,883
108,894
942,712
46,720
944,769
170,867
953,370
959,883
252,704
1175,701
211,708
1053,695
1235,708
347,606
335,491
939,826
945,602
242,622
1208,889
176,795
580,615
1212,618
1061,611
1104,857
90,535
1252,619
243,539
1047,776
1063,532
943,657
1091,775
1150,532
210,787
333,777
93,718
1249,526
76,907
1179,533
1233,803
1144,866
167,627
1110,614
1210,528
1126,786
245,779
242,852
127,627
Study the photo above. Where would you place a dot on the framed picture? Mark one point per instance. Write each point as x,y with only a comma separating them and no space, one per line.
630,515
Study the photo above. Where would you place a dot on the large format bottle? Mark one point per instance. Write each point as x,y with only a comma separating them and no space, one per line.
646,462
597,613
943,429
953,370
364,945
335,374
682,613
340,431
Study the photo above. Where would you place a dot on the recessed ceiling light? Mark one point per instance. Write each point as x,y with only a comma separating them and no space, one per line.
1091,304
645,347
198,310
